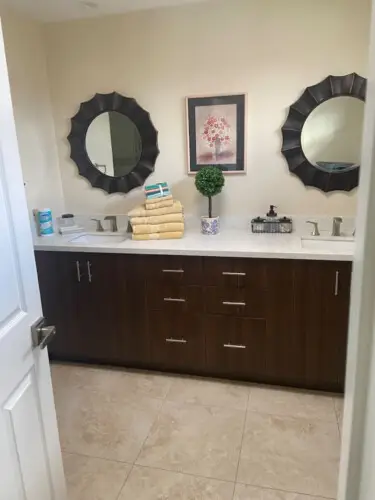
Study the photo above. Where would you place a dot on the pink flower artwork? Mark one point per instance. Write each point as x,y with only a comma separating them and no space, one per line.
216,129
219,128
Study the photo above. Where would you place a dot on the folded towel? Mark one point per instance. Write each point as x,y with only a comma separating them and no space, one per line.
159,236
159,204
159,195
158,219
157,228
157,185
149,201
141,211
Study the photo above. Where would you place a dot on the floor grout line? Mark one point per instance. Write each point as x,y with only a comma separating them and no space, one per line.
173,471
242,438
268,488
149,432
124,483
65,452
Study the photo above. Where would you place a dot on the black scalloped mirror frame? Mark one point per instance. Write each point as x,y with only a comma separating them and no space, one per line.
351,85
129,107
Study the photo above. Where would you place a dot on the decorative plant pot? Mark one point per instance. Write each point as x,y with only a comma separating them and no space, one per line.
210,225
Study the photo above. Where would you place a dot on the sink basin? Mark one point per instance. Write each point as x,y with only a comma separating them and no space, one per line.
331,245
98,239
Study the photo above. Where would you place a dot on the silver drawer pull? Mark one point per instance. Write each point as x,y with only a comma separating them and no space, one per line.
170,299
235,346
227,273
172,271
337,283
78,269
89,271
176,341
234,303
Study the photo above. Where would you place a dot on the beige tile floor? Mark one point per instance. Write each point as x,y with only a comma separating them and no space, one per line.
131,435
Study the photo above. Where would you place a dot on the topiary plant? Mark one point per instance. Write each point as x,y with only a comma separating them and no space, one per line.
209,181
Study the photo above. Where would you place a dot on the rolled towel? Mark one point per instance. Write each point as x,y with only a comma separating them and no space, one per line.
151,201
159,204
174,235
158,228
158,190
141,211
158,219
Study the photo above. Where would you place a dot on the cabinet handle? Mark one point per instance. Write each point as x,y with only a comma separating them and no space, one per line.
170,299
235,346
176,341
228,273
89,271
337,283
172,271
78,268
234,303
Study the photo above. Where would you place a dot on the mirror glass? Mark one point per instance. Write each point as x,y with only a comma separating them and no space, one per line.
113,144
332,134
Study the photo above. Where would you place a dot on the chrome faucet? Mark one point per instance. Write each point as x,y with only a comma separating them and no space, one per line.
315,231
336,226
99,227
113,223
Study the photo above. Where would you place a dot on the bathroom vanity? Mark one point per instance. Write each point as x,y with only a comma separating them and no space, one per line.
269,320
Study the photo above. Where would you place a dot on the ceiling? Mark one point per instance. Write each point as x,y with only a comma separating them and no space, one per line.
64,10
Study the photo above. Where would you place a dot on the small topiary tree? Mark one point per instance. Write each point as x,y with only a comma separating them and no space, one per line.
209,181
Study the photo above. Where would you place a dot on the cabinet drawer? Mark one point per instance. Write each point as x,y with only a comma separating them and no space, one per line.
232,272
174,269
170,297
236,346
177,341
235,301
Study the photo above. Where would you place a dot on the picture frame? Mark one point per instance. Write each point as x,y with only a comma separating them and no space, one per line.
216,132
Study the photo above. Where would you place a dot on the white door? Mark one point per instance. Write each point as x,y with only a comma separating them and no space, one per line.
30,455
357,478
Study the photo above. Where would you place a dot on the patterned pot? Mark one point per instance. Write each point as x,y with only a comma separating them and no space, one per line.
210,225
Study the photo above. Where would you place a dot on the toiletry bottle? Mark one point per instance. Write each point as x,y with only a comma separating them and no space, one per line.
272,212
272,224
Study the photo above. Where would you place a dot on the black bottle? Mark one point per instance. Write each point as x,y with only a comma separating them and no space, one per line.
272,212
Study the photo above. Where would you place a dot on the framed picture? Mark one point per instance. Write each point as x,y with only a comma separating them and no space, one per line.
216,132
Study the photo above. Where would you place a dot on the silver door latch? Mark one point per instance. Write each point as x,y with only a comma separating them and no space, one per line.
41,334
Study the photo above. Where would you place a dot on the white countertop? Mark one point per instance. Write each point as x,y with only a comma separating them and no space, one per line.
229,243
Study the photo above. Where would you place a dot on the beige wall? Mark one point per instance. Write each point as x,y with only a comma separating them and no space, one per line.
27,68
271,49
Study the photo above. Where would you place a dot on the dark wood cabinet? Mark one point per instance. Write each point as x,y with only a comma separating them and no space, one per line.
322,315
97,306
286,346
266,320
63,293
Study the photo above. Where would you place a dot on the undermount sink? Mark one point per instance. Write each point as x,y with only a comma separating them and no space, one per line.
334,243
98,238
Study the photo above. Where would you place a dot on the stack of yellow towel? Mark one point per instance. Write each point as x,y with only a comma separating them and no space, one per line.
158,219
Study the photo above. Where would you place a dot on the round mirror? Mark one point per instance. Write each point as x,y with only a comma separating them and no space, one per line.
113,144
332,134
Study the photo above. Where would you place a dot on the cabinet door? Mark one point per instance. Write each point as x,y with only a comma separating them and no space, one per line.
97,330
322,310
62,285
285,341
115,328
132,345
